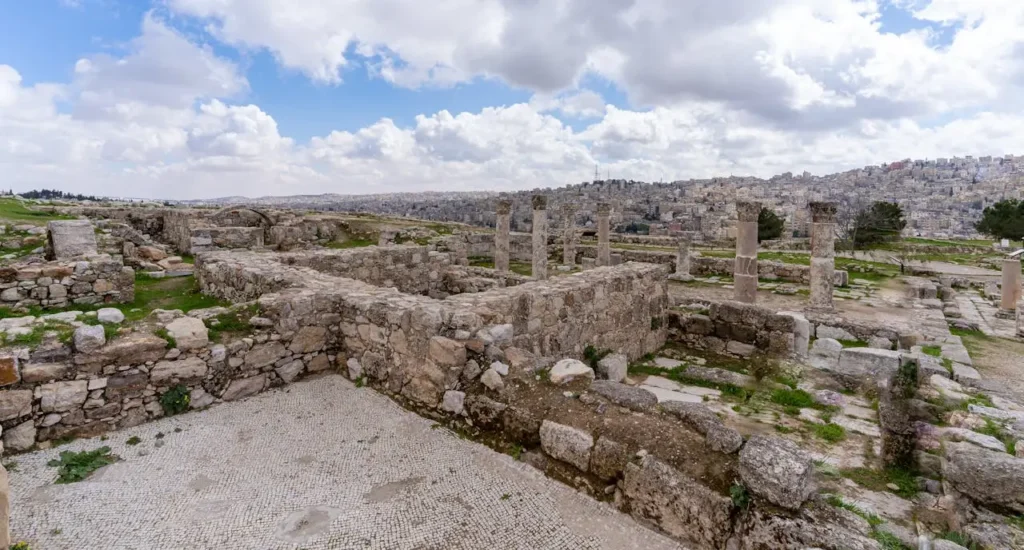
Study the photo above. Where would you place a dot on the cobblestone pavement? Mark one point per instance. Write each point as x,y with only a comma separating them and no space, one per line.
317,465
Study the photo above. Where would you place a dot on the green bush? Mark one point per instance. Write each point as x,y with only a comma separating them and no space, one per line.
175,400
739,494
792,398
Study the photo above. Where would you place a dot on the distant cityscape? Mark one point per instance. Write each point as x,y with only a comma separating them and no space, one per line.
942,198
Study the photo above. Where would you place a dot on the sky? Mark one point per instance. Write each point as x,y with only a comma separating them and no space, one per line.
207,98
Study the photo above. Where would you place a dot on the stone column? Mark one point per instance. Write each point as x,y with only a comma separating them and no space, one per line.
823,253
569,235
682,262
1011,285
604,248
745,268
540,237
501,230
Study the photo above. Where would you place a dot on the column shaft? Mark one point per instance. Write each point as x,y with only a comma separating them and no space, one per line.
745,268
604,249
540,237
501,231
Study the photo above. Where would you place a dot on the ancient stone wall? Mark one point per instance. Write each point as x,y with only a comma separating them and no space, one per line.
741,329
59,284
411,269
704,266
92,385
177,230
209,238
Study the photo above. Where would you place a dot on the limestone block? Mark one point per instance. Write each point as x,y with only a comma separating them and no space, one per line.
290,371
454,402
825,331
15,404
186,371
189,333
110,315
9,371
681,506
632,398
88,339
492,380
566,443
70,239
826,347
355,370
777,470
309,339
245,387
868,362
264,354
567,370
613,367
21,437
987,477
35,373
63,396
446,352
609,458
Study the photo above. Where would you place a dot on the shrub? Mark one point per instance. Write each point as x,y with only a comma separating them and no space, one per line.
739,494
176,400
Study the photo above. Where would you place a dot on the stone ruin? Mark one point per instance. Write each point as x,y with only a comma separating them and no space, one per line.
596,376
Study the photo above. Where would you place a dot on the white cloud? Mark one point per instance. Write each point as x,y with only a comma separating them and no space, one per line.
731,87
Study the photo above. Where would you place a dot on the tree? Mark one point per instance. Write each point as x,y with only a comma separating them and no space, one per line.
769,225
1003,220
883,222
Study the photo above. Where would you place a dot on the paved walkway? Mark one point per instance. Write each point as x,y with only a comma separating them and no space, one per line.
318,465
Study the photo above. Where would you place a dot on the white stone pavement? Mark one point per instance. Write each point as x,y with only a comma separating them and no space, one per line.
317,465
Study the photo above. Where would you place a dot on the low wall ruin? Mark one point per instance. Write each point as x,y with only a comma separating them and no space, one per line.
59,284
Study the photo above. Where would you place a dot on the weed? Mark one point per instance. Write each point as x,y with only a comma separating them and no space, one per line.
74,466
786,381
506,496
133,440
593,355
997,431
833,433
20,545
56,531
656,323
739,494
361,381
947,364
934,351
790,410
888,541
11,465
1016,521
792,398
175,401
231,322
516,451
163,333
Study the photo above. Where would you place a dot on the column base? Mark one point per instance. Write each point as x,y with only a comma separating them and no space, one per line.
745,288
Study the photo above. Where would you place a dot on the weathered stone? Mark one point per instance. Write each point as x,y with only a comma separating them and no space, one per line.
702,420
485,412
625,396
309,339
446,352
826,347
68,239
264,354
777,470
15,403
34,373
567,370
566,443
454,402
492,380
868,363
9,372
355,370
609,458
88,339
63,396
739,348
290,371
682,507
110,315
319,363
125,386
188,333
835,333
613,367
133,349
987,477
21,437
245,387
186,371
820,526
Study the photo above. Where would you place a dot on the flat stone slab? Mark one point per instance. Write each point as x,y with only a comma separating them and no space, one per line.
667,363
395,483
664,395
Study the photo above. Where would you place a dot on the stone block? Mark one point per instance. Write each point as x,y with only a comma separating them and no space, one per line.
21,437
63,396
609,458
309,339
454,402
446,352
88,339
110,315
566,443
290,371
15,404
567,370
185,371
986,477
245,387
630,397
868,362
68,239
9,372
35,373
264,354
189,333
777,470
613,367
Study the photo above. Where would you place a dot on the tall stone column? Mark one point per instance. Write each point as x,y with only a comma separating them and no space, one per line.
823,253
569,234
501,231
604,247
540,237
745,268
1011,284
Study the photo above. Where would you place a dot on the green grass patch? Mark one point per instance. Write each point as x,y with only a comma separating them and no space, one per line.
678,374
231,323
877,480
997,431
838,502
162,333
72,466
853,343
35,337
888,541
481,261
792,398
521,268
934,351
833,433
167,293
16,211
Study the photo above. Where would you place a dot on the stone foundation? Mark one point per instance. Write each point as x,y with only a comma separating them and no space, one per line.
100,280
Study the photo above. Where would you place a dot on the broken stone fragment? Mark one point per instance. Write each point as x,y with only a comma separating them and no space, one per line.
88,339
625,396
613,367
492,380
188,333
566,443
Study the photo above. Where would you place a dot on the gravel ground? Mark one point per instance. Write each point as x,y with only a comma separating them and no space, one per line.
318,465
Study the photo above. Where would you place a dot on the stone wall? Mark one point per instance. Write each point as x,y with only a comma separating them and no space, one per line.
740,329
59,284
210,238
177,230
704,266
60,390
410,269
